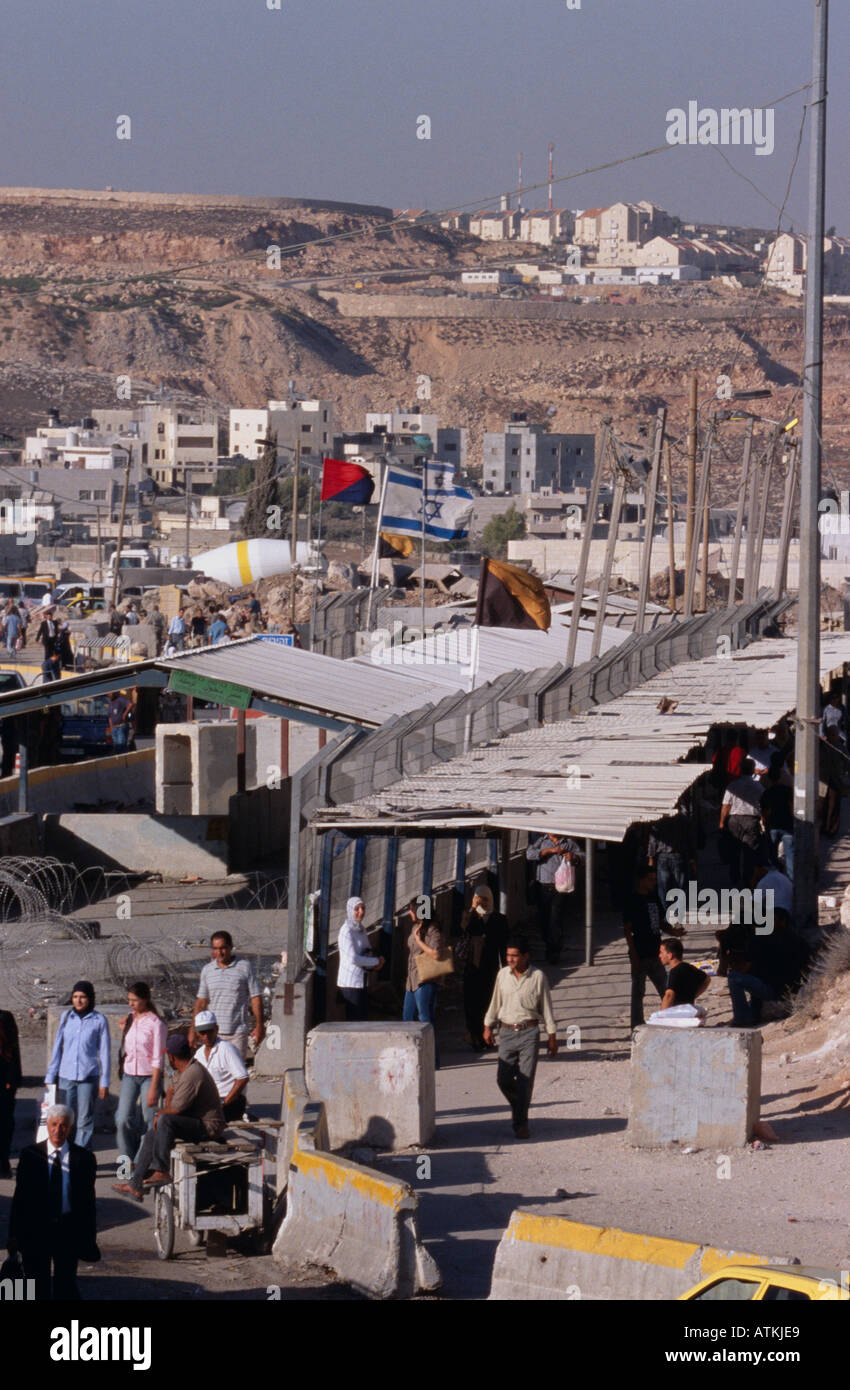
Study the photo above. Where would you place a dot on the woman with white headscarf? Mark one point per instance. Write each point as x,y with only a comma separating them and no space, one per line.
355,958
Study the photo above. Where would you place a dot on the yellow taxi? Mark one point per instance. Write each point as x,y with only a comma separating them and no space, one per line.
770,1284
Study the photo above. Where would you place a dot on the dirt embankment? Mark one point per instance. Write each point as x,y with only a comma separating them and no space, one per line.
82,302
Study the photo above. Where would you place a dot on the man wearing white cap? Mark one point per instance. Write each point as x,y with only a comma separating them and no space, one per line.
224,1063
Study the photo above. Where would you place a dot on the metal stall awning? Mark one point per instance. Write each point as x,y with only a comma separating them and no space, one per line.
253,674
595,775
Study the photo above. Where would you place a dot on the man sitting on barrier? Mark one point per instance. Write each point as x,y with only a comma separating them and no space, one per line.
192,1111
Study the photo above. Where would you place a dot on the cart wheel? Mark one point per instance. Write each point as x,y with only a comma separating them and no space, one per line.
163,1223
196,1238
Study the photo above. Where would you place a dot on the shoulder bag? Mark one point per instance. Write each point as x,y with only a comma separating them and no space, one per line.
427,968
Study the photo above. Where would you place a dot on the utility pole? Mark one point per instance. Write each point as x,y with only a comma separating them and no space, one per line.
187,484
691,576
121,523
807,744
739,515
649,519
781,579
706,529
99,545
692,475
294,542
670,529
584,555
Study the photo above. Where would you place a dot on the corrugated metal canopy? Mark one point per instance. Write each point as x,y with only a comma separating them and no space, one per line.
595,775
443,658
283,680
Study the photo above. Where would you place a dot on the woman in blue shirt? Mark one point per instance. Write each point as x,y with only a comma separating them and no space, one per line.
80,1061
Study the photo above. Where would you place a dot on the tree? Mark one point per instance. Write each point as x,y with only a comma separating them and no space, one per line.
510,526
263,493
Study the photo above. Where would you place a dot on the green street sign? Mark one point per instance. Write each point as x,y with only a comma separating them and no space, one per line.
206,688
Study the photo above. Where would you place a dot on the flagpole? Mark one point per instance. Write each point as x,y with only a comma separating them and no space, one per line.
373,583
422,561
316,568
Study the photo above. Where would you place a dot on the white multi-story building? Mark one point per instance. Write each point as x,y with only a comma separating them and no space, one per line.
293,419
494,226
449,443
546,226
175,439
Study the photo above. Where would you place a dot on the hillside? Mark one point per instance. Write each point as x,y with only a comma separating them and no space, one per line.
176,292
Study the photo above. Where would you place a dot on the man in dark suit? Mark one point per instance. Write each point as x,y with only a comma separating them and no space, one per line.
53,1210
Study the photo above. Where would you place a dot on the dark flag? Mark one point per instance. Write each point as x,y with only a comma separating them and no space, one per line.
510,597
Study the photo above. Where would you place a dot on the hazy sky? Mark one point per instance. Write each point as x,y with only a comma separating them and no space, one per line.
322,97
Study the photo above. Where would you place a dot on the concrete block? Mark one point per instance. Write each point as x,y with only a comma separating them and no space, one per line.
548,1258
196,767
376,1081
699,1086
351,1219
282,1049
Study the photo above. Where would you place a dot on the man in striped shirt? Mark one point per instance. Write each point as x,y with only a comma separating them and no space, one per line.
229,988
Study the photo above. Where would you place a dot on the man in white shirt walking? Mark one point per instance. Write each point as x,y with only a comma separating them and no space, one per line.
520,1001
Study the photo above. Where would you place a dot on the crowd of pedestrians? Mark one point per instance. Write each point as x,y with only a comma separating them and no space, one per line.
184,1084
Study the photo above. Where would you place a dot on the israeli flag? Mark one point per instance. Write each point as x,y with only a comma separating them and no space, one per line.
446,508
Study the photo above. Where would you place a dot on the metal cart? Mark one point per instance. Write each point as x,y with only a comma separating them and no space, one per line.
218,1189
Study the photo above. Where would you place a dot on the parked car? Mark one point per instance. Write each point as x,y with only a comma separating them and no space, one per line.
85,728
10,680
768,1284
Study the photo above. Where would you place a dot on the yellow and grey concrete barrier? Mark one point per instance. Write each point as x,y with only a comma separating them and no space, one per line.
541,1256
349,1218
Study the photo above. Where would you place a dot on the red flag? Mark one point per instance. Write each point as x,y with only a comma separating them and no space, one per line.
346,482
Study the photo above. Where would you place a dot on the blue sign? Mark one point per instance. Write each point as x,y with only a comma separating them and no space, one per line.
283,639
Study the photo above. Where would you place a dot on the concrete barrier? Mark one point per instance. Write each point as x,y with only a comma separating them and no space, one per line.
351,1219
545,1257
125,779
293,1102
376,1081
699,1086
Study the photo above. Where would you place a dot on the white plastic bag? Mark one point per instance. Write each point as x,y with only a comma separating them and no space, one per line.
679,1016
48,1099
565,877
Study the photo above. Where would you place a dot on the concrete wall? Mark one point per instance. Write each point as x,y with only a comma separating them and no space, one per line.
376,1081
351,1219
548,1258
259,827
176,846
20,834
699,1086
126,779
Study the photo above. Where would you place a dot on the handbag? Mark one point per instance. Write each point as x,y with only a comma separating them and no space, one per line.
565,877
429,969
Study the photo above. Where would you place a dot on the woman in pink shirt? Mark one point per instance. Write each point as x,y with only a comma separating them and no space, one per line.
140,1068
